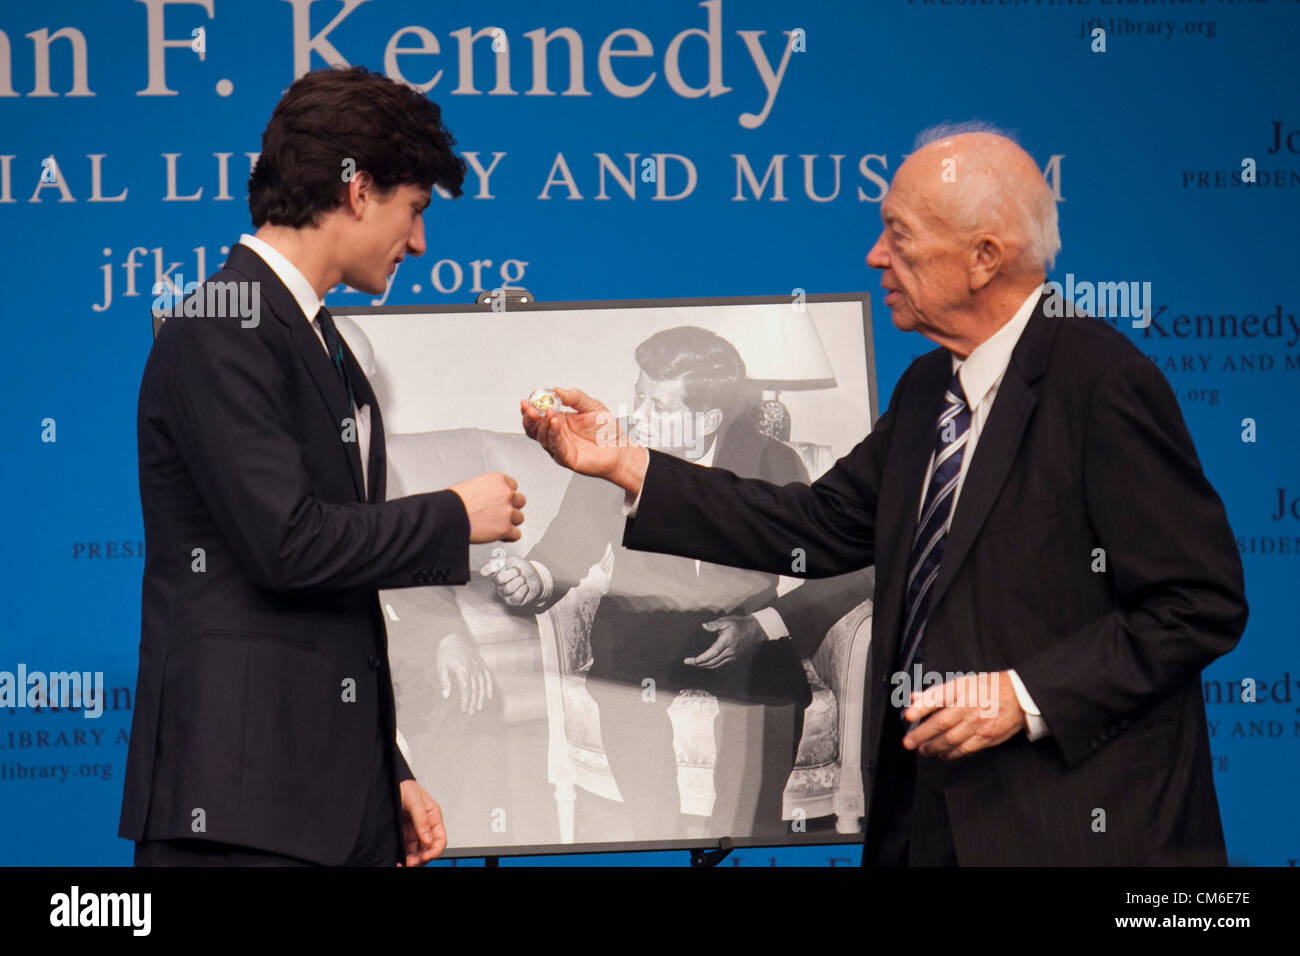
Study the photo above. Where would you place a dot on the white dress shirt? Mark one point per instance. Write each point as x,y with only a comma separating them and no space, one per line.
980,374
310,303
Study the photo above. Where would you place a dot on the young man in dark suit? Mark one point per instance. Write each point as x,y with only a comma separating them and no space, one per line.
1073,573
263,731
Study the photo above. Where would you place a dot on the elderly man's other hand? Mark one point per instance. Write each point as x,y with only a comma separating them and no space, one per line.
964,715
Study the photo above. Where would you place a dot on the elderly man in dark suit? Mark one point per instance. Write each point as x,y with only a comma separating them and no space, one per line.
263,731
1046,543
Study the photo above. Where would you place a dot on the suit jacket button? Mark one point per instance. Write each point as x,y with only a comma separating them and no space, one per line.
373,663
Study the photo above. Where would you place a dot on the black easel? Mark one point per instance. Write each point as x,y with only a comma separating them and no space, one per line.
705,857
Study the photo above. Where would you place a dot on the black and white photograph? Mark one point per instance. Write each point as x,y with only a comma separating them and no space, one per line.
578,693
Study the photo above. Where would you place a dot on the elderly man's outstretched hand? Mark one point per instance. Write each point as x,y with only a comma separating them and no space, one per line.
588,440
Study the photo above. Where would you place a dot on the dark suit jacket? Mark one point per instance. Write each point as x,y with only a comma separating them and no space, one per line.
240,708
651,618
1085,448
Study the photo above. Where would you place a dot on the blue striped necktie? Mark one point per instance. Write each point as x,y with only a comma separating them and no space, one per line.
936,516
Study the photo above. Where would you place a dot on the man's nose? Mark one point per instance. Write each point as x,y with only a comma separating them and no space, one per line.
877,257
415,242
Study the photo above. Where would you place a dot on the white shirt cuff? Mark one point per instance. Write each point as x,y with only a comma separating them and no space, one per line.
1035,727
632,502
773,625
548,582
406,751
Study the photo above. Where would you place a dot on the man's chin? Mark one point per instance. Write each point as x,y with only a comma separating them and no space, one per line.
903,320
369,288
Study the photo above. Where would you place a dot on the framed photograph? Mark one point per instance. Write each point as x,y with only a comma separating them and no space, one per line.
577,695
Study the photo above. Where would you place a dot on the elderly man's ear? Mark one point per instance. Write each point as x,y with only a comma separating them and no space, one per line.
987,259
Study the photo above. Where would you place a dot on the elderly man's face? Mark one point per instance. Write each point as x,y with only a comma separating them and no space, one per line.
925,265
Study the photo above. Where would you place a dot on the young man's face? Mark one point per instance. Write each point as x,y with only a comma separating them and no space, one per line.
385,229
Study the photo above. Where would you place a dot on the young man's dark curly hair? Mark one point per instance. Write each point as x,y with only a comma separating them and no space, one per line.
330,116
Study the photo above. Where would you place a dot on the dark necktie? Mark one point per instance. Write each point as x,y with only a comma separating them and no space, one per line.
936,516
334,345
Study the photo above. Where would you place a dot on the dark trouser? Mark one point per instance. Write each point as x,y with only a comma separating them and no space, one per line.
756,746
378,844
917,831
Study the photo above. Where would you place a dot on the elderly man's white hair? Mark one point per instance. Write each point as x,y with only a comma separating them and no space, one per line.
981,198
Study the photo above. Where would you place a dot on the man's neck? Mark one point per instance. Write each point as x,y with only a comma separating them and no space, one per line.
306,249
989,315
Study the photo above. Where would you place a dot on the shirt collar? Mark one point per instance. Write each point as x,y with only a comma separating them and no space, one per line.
707,458
987,362
288,273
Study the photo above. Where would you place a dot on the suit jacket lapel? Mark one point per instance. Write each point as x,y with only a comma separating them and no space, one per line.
998,443
901,494
896,513
285,309
331,390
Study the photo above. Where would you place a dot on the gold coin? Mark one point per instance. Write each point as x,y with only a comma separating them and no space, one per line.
544,399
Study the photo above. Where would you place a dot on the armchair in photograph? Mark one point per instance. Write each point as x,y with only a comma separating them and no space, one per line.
827,776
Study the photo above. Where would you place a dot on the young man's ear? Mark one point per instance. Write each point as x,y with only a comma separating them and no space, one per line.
360,190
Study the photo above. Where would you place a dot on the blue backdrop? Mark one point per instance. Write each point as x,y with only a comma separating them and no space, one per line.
1171,139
